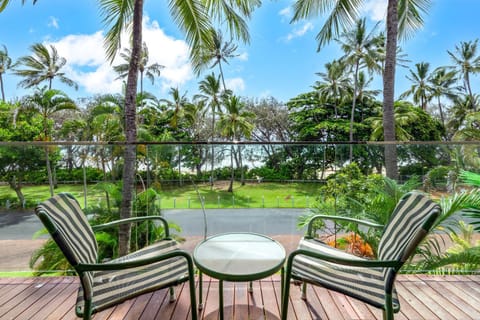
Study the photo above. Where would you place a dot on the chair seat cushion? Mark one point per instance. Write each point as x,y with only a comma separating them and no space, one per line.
366,284
111,287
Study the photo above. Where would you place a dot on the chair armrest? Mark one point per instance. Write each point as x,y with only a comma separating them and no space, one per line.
134,263
340,218
131,220
345,261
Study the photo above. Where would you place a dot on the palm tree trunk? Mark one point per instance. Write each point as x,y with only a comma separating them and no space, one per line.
221,74
49,171
130,130
232,176
352,114
1,87
388,90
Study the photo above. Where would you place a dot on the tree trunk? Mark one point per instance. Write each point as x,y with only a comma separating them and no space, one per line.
130,130
388,90
232,172
1,87
17,187
49,171
352,114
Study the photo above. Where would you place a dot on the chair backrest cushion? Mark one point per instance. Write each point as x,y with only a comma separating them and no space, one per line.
409,223
69,228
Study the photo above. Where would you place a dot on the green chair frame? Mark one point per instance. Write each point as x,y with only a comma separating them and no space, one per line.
414,208
69,228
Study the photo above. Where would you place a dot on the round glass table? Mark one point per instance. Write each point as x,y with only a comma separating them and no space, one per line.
238,257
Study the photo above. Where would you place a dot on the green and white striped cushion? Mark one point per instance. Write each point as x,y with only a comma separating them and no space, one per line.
401,236
110,287
366,284
73,234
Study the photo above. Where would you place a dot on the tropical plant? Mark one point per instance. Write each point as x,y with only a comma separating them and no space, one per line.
47,102
403,17
43,65
235,124
432,254
219,51
150,71
420,90
467,63
335,84
442,83
361,51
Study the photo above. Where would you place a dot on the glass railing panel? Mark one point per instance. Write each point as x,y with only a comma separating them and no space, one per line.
275,187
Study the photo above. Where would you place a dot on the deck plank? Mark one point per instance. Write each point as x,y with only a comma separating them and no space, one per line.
421,297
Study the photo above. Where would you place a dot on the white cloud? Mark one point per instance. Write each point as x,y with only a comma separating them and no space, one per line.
243,56
235,84
87,65
285,14
298,32
376,9
53,22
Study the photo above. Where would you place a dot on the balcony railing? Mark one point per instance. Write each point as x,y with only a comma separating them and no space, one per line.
275,186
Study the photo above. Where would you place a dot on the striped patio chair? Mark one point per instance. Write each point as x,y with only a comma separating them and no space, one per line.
371,281
103,285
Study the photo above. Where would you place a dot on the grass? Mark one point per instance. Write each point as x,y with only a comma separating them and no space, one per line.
250,195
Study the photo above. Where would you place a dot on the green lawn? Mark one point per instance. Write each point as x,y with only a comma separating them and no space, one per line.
250,195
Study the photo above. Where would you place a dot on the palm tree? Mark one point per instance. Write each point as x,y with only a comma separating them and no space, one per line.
5,64
404,117
43,65
192,17
176,105
420,89
335,83
235,123
47,102
361,51
403,16
211,93
149,71
467,62
219,52
442,83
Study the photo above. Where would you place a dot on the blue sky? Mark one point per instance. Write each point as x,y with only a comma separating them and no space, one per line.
280,61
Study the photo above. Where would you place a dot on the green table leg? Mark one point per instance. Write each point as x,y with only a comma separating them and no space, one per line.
200,290
250,287
220,284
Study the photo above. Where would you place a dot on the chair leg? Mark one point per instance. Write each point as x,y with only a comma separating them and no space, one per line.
388,311
172,295
304,291
286,293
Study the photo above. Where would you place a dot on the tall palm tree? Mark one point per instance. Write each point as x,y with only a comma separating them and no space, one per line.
235,123
404,16
43,65
47,102
211,93
5,64
421,90
192,17
150,71
219,51
176,105
467,62
334,84
442,83
361,51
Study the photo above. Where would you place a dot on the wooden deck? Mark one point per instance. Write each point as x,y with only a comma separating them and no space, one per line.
422,297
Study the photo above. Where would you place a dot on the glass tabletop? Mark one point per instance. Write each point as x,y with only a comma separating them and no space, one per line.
239,256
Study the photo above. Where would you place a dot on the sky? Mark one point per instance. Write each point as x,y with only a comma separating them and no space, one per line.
281,60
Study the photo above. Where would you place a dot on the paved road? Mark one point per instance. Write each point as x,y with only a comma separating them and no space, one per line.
23,225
